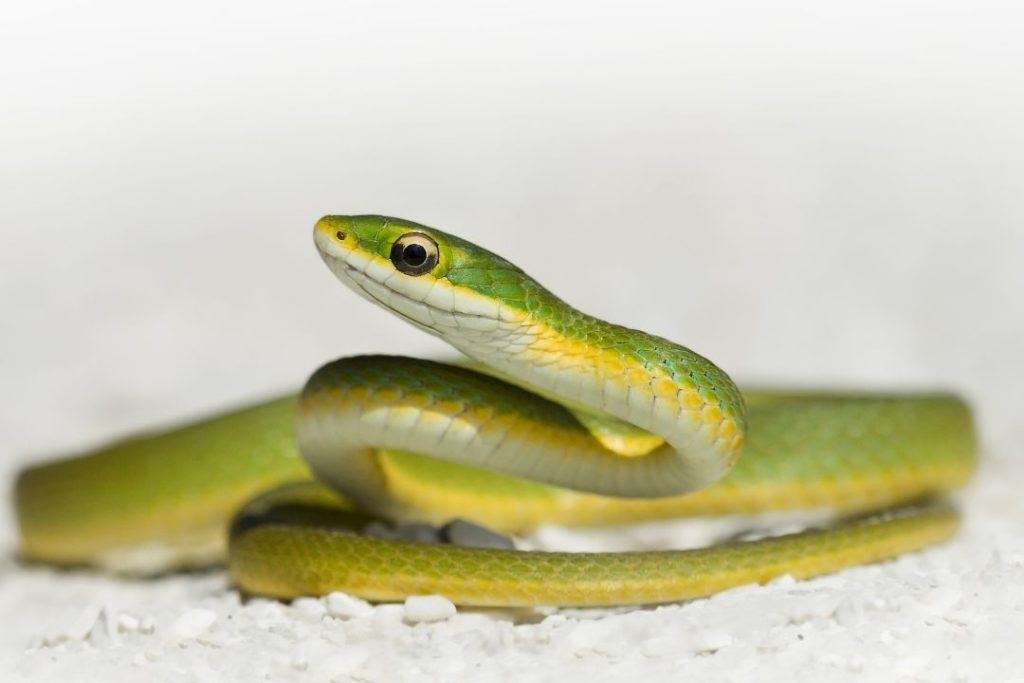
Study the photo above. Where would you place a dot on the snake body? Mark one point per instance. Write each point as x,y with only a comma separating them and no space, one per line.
562,418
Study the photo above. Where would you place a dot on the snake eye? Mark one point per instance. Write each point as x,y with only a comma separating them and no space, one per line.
414,253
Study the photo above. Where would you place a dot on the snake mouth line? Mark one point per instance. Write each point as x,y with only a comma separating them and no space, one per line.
358,277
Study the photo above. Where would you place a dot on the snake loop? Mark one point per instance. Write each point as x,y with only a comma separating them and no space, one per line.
564,418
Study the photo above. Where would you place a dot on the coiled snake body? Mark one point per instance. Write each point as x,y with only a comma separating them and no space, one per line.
565,419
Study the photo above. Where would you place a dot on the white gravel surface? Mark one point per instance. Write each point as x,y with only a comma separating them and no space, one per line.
815,194
954,613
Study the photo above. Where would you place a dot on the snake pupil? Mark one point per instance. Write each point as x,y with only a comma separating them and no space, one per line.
414,255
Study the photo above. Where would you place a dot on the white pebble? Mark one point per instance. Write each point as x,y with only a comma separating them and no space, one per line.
342,663
309,607
126,623
943,598
82,625
659,646
346,607
709,640
589,636
104,632
384,616
783,581
192,623
428,608
310,651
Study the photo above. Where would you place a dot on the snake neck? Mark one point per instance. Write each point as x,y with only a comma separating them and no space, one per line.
648,381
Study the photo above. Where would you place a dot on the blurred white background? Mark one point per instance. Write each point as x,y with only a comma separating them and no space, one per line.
812,193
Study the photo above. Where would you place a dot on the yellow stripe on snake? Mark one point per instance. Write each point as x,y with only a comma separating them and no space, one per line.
562,418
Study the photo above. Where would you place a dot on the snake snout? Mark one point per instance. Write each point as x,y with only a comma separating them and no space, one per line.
332,232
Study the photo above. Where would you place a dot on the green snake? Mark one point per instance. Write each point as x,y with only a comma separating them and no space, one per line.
560,418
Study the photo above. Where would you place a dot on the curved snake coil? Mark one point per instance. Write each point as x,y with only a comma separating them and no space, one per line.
564,418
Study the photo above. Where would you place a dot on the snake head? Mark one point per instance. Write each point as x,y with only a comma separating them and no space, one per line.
431,278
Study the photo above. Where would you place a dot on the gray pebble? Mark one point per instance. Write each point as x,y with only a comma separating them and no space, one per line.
461,532
416,531
380,530
456,532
